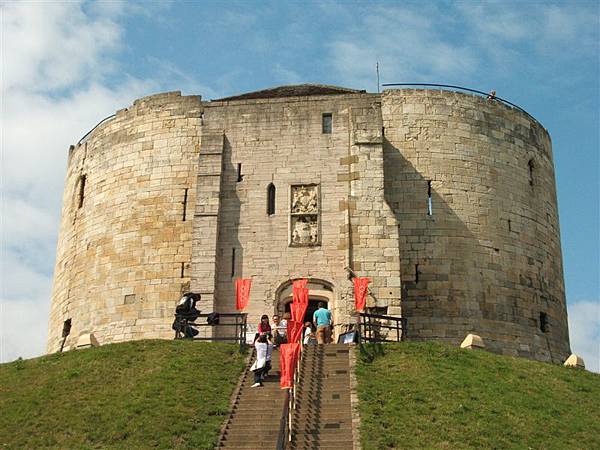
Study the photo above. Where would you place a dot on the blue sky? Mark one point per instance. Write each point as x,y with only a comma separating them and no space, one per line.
66,65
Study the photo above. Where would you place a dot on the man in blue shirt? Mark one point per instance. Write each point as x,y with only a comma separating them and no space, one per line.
322,320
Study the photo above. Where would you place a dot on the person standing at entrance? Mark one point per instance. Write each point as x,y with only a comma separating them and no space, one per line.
322,320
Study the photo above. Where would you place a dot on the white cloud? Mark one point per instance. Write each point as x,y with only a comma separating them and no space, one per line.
51,45
459,41
184,82
408,43
584,330
55,61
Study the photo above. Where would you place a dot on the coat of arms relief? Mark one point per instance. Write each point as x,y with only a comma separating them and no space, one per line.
304,211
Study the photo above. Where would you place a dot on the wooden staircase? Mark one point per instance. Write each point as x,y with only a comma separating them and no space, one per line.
323,415
254,419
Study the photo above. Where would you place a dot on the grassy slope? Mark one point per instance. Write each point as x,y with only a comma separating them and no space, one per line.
147,394
425,395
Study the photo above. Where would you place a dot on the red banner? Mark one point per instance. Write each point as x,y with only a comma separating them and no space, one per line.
300,304
288,358
361,286
294,331
301,283
242,293
298,311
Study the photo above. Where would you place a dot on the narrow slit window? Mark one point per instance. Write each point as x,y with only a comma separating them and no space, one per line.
509,225
416,273
429,203
531,167
271,199
184,202
232,262
240,177
182,270
66,328
543,322
81,194
65,333
327,123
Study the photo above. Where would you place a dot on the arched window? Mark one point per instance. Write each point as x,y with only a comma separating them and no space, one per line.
271,199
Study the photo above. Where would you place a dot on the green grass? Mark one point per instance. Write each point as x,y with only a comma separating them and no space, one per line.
427,395
145,394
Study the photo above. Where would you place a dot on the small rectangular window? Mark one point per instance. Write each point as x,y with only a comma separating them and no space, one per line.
531,166
184,203
65,333
543,322
232,262
240,177
81,191
66,328
327,123
429,202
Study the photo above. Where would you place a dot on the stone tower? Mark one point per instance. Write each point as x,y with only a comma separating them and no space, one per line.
445,200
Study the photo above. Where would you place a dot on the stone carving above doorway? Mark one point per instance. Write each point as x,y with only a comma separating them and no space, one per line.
304,215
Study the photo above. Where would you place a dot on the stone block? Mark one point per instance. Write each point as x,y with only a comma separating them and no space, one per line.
575,361
86,340
472,341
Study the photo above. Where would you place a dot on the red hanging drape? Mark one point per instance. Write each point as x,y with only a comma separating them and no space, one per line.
301,283
242,293
300,303
288,358
294,331
361,286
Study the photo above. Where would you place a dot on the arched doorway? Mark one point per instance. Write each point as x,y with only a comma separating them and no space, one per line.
313,305
318,291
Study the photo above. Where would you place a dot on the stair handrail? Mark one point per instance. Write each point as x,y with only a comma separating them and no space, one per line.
284,432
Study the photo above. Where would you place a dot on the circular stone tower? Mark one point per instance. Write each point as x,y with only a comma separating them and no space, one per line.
446,201
471,183
124,247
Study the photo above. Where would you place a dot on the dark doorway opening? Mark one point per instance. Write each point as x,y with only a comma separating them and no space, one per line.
313,305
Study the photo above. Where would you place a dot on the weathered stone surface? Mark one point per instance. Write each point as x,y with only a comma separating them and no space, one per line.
446,201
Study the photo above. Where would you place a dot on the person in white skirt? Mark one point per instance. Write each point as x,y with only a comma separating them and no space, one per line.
262,365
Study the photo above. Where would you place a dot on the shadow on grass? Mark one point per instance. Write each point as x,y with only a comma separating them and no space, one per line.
369,351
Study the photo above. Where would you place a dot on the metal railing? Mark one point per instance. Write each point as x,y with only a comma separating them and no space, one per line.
461,88
284,434
381,328
237,321
94,127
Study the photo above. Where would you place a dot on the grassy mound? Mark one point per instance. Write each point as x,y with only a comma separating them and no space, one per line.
426,395
145,394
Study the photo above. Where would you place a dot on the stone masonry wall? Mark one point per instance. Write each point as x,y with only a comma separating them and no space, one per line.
446,201
280,141
488,258
124,255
